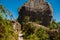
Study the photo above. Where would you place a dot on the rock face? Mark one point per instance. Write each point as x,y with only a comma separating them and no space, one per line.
36,10
16,26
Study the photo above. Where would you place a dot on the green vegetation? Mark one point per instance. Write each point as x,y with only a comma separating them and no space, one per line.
30,33
33,33
6,28
29,30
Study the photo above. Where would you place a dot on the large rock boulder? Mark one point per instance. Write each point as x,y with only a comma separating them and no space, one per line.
37,11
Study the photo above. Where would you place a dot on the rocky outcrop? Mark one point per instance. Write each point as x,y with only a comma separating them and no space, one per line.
31,27
16,26
36,10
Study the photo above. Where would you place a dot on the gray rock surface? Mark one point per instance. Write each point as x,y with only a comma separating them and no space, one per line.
36,10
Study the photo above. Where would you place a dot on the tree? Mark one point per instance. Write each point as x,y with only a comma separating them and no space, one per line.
6,28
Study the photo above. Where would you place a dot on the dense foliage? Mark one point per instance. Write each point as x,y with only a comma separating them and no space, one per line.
30,31
33,33
6,28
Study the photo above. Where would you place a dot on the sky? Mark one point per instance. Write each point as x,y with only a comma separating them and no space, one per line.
13,5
